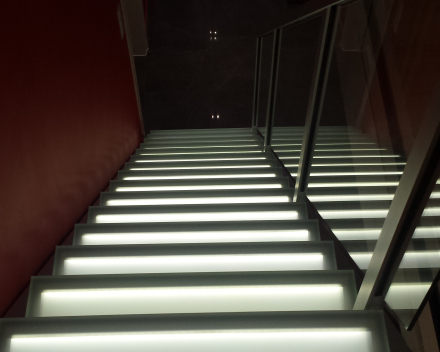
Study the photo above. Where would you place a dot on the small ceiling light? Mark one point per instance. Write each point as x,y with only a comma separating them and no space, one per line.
215,38
215,32
210,32
212,116
218,116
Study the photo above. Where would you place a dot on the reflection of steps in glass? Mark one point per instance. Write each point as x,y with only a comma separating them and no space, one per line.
196,246
352,184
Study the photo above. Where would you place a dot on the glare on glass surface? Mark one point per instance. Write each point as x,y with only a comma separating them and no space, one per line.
349,164
353,214
373,173
407,296
191,299
350,198
410,260
373,234
353,184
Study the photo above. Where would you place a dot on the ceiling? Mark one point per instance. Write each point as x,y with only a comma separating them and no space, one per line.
201,62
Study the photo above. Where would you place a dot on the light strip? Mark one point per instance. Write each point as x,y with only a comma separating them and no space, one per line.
350,164
406,296
411,259
353,214
206,200
199,146
321,144
357,234
373,234
134,178
187,217
336,150
237,340
349,173
196,237
351,198
435,211
204,152
200,167
355,156
199,188
197,139
195,160
344,157
191,299
193,263
352,184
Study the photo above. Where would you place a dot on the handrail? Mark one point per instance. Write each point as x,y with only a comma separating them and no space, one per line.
322,6
419,177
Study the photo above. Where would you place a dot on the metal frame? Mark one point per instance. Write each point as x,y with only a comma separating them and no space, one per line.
419,177
321,7
272,88
316,98
418,180
257,83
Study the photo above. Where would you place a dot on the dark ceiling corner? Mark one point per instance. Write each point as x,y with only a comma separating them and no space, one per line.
296,2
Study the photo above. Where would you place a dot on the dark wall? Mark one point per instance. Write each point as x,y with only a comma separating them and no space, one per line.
68,121
191,77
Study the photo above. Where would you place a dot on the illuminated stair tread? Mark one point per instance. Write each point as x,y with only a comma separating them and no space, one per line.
165,258
197,212
190,293
238,155
205,232
139,162
211,183
220,250
197,173
239,196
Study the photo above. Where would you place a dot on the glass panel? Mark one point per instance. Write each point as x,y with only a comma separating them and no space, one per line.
420,264
382,79
298,55
266,66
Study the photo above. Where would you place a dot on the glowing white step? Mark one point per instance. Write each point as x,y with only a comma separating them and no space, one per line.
199,185
191,293
196,197
251,332
196,213
368,213
184,259
263,172
225,232
411,259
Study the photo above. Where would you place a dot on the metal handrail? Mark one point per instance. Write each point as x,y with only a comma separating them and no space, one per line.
321,9
418,180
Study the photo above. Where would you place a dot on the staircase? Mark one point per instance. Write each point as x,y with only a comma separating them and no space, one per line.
198,247
352,184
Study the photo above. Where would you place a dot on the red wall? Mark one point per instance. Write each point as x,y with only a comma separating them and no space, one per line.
68,121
